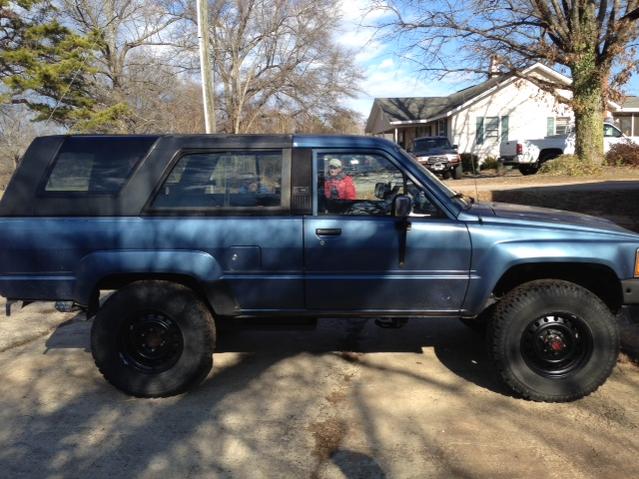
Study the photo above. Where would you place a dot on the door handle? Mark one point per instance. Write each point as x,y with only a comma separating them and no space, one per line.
328,231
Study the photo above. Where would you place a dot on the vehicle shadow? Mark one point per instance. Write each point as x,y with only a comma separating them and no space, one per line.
459,349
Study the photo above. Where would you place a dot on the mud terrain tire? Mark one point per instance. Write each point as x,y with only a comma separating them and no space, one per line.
153,339
553,341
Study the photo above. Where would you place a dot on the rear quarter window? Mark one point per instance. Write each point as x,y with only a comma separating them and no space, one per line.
95,165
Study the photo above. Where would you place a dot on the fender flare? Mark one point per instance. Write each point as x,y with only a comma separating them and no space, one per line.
98,265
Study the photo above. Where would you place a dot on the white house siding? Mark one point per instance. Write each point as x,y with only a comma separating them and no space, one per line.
526,106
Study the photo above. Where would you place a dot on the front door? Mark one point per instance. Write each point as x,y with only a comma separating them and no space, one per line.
353,246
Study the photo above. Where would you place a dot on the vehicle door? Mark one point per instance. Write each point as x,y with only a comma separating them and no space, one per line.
358,256
612,136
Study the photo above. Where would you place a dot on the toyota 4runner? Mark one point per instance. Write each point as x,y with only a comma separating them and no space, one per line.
189,230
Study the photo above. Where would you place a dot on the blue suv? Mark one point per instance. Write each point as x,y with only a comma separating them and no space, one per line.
191,230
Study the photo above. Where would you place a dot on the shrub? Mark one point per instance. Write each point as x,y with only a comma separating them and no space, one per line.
490,163
470,162
623,154
569,165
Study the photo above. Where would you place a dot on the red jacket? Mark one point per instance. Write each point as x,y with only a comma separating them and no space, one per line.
342,184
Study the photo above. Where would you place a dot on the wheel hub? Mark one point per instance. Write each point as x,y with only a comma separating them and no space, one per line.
556,345
150,342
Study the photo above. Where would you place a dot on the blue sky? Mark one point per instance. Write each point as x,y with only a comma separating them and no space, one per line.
386,72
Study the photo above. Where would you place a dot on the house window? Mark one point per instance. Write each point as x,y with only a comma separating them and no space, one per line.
493,128
561,125
557,125
441,128
625,124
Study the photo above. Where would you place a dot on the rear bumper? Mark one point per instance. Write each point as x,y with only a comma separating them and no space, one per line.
515,160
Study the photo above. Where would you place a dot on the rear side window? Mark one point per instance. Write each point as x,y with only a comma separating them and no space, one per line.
224,180
96,165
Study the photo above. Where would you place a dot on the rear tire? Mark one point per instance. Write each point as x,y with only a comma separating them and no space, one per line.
153,339
530,169
553,341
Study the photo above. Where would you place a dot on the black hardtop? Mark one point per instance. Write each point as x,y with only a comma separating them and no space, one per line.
26,195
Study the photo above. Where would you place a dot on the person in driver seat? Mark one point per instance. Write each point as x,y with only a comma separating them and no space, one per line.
338,185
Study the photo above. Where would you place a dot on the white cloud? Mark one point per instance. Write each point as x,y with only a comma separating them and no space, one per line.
386,64
360,10
387,79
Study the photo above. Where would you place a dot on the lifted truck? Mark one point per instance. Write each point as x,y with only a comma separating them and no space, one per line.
188,230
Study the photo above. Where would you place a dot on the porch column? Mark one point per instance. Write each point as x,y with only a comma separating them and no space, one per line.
396,136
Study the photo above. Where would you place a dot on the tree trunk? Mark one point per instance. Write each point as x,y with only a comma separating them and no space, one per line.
588,108
587,88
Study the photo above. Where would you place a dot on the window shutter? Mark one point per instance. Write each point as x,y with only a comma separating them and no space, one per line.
550,126
504,128
479,131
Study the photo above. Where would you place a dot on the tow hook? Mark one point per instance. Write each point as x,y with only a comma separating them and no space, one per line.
391,323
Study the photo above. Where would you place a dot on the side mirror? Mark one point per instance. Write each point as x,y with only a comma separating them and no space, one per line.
402,206
455,147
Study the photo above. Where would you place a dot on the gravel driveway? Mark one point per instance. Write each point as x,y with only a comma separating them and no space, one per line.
346,400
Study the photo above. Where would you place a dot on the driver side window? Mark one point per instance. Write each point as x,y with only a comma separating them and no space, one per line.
356,184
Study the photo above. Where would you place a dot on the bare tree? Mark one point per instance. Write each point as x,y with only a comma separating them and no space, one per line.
592,39
276,55
17,130
124,31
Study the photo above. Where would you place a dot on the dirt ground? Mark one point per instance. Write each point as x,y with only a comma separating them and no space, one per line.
347,400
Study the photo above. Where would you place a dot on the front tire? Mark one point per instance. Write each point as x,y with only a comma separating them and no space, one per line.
153,339
458,172
553,341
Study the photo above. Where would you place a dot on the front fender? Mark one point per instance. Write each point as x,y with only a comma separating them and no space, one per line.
490,265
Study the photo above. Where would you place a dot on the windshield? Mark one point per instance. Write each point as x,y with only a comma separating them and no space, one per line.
462,200
425,144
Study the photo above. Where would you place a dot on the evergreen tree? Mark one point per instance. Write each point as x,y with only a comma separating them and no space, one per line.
42,64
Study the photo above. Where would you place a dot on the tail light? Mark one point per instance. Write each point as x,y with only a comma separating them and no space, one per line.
520,149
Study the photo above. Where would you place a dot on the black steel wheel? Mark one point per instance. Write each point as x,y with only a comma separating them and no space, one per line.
150,342
553,340
556,344
153,339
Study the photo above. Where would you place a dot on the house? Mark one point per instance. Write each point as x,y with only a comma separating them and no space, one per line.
477,119
626,116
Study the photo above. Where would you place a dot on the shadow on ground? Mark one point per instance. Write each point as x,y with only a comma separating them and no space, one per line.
459,349
346,400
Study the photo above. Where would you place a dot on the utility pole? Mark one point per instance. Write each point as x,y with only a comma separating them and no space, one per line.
208,93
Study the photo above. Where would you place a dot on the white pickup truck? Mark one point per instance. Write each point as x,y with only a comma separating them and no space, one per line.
529,155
